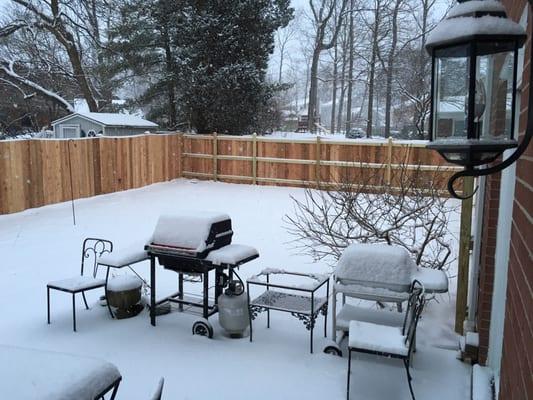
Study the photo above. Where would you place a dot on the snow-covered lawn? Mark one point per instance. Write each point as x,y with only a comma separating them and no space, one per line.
41,245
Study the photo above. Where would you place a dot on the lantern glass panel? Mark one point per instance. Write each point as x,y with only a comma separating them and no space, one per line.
493,112
451,84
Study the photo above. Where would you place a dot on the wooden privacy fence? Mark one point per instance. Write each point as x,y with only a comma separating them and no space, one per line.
37,172
263,160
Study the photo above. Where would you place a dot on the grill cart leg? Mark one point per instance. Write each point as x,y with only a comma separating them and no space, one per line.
249,309
152,290
206,295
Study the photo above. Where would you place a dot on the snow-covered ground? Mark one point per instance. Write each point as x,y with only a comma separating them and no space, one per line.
41,245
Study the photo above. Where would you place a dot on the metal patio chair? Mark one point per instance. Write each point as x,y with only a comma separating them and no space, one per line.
388,341
92,250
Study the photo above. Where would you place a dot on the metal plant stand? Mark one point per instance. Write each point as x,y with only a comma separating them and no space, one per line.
300,301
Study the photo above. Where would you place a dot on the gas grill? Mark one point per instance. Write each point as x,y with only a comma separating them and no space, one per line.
195,245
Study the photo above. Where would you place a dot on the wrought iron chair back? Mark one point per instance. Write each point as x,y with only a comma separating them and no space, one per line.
414,309
92,250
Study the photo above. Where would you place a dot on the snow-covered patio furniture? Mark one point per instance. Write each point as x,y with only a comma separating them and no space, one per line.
31,374
196,244
388,341
300,300
92,250
377,272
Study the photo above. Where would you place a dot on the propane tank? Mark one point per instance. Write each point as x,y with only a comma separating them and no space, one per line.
233,310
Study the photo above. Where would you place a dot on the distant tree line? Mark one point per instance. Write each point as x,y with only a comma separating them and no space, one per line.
188,64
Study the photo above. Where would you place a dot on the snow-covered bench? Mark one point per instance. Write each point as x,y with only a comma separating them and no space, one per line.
36,374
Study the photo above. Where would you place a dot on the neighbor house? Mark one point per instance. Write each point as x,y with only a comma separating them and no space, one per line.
89,124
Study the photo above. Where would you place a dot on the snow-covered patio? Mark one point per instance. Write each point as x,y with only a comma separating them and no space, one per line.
40,245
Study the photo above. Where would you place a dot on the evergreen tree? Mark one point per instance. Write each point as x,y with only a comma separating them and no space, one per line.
223,48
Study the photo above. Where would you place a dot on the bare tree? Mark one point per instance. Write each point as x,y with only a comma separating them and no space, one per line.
72,25
327,25
363,207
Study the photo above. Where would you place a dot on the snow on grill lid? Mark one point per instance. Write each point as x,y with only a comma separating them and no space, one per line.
188,230
378,263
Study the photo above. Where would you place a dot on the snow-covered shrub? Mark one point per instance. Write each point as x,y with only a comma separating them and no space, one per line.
362,207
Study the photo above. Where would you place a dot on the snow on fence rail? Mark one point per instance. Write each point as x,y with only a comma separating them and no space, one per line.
37,172
306,162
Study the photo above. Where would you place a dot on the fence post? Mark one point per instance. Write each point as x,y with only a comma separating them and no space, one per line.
464,255
317,167
215,160
389,161
254,159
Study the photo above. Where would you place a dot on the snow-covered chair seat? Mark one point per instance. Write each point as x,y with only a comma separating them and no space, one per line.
377,338
388,341
92,250
77,284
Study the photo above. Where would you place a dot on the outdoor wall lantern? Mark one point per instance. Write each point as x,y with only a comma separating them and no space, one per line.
475,52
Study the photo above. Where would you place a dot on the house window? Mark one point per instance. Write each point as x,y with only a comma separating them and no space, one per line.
70,131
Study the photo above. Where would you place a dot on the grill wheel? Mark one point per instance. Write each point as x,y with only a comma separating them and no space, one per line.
202,328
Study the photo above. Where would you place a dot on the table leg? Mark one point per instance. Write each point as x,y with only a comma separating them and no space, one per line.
152,290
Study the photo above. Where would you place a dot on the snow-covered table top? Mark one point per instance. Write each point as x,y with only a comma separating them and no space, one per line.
232,254
36,374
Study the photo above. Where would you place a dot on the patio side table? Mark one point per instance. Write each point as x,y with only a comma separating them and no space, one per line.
301,301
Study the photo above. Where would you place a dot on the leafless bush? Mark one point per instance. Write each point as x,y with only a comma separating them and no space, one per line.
405,208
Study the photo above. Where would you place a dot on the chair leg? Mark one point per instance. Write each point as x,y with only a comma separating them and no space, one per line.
409,377
348,377
48,303
74,310
84,300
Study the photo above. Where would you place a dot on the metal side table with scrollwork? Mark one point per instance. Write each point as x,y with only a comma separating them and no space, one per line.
300,300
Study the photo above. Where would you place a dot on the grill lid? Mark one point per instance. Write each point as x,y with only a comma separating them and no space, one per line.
196,232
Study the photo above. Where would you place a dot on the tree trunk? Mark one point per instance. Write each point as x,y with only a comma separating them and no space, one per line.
343,86
172,121
350,72
334,89
390,67
313,90
375,32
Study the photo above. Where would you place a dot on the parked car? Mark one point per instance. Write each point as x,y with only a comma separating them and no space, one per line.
354,133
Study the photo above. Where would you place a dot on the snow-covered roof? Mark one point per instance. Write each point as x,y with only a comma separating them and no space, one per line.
468,20
111,119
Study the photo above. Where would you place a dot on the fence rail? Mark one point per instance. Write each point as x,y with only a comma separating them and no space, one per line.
37,172
301,162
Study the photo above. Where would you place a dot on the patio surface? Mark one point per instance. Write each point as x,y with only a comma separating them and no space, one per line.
41,245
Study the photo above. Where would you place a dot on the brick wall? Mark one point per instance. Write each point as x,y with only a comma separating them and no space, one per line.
516,378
